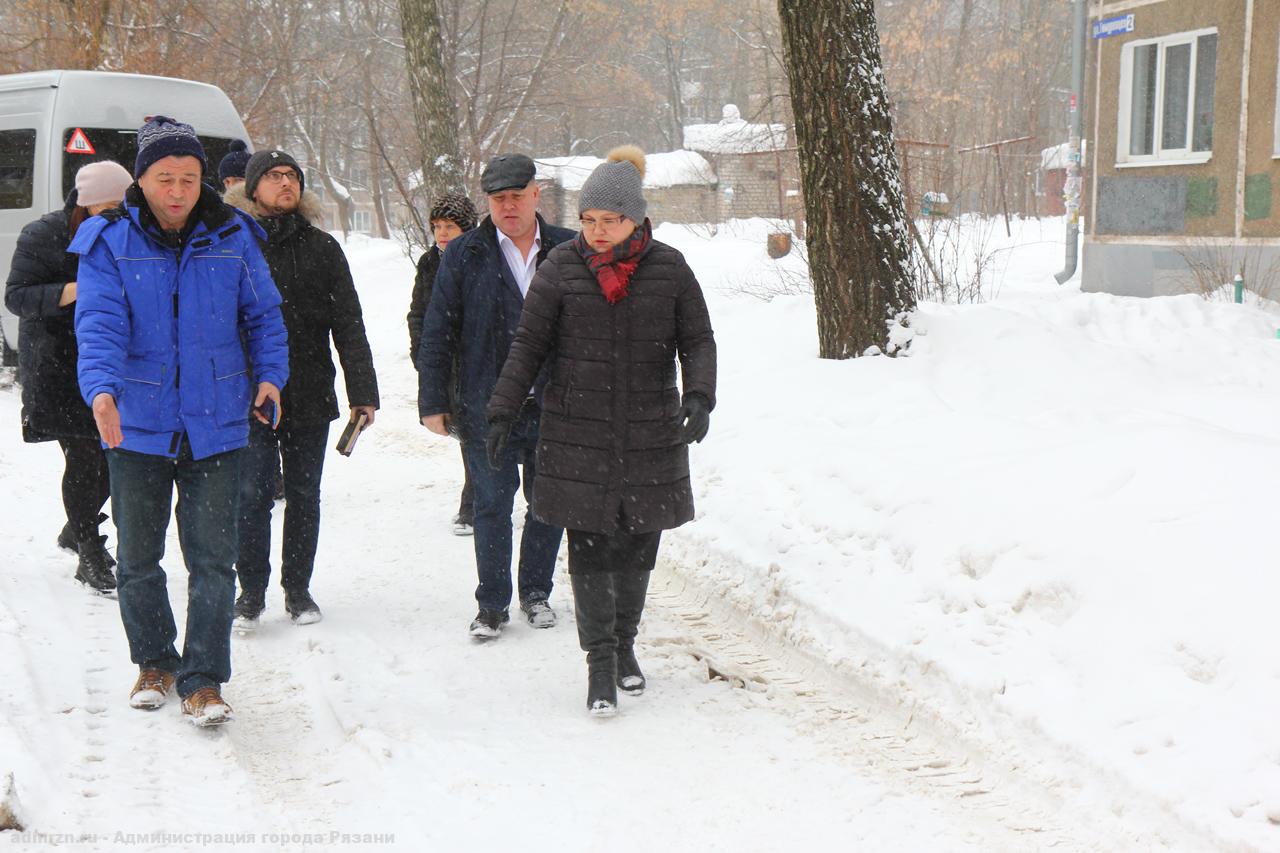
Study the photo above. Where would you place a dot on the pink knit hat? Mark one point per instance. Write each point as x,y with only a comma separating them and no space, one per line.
101,182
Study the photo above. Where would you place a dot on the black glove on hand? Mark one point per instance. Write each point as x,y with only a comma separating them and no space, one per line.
694,418
496,441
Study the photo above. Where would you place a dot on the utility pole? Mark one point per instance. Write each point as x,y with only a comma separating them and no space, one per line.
1075,184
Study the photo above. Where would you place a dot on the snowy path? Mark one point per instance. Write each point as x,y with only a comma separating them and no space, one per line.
385,718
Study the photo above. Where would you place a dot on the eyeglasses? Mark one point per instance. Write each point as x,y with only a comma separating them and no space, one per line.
604,222
277,177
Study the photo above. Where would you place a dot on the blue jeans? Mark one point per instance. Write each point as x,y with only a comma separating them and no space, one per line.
141,497
302,455
495,495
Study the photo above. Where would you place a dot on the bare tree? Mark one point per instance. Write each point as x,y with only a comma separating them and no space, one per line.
432,98
857,236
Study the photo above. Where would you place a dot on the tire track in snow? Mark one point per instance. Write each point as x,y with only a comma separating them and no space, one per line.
1021,801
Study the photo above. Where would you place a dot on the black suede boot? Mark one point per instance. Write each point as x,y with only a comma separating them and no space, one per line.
631,588
593,606
93,570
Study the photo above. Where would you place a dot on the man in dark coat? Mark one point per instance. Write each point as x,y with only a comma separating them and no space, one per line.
473,315
41,290
319,302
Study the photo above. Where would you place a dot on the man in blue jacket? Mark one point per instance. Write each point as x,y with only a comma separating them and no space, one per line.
173,290
473,315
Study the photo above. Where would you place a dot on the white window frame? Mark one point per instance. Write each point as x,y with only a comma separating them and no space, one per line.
1160,156
362,221
1275,146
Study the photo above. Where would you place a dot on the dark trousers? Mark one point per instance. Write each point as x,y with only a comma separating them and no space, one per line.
208,496
301,452
495,494
466,501
85,485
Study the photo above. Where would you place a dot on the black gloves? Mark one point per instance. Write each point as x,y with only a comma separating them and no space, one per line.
694,418
496,441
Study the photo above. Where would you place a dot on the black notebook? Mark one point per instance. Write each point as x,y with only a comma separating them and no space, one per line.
347,441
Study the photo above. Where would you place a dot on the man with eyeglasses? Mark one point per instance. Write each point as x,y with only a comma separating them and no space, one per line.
473,315
319,302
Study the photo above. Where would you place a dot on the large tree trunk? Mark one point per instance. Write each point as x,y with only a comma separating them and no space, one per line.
859,244
432,105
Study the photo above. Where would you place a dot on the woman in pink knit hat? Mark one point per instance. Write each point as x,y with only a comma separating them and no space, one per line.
41,290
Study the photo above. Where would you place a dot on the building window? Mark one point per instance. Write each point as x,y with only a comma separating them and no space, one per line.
361,221
1166,98
17,169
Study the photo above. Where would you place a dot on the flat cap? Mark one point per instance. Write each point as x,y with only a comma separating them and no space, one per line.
507,172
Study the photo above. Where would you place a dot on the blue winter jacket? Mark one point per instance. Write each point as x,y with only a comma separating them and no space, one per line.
160,328
474,313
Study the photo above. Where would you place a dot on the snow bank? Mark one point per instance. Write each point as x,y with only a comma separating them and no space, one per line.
1053,517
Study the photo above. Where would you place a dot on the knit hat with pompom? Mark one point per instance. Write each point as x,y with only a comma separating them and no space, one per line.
232,166
616,185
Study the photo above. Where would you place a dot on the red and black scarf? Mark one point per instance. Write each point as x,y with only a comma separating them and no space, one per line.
613,266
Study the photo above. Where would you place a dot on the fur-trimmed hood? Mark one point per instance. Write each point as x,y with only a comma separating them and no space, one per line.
309,205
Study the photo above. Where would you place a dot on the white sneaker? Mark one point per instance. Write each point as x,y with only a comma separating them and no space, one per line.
462,528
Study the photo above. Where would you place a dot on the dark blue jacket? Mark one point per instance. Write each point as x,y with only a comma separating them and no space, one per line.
159,326
474,312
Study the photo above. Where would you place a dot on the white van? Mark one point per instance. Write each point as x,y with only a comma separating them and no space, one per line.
54,122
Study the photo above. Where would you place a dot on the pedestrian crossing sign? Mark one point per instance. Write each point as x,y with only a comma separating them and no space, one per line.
80,144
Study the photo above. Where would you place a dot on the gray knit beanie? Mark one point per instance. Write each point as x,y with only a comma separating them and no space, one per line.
616,185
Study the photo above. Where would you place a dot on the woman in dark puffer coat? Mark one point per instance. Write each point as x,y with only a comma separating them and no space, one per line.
452,215
617,308
41,290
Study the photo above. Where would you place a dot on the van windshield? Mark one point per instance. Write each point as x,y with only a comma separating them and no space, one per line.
102,143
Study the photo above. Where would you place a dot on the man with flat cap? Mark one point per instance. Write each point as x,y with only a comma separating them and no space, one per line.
473,315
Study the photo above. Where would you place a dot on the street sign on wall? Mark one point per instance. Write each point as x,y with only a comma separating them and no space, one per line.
1108,27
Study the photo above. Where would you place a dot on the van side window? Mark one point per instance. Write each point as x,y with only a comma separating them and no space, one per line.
17,168
121,144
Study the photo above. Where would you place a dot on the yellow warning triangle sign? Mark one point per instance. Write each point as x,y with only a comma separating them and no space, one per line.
80,144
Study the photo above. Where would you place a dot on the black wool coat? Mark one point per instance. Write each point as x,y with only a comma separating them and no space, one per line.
609,450
319,301
422,283
51,403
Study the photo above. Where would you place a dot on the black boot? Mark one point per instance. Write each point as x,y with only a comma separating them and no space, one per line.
249,607
93,570
593,606
631,587
67,539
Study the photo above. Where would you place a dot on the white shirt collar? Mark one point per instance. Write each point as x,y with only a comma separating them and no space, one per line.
504,241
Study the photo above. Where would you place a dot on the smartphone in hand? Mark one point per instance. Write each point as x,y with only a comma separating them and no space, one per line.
267,413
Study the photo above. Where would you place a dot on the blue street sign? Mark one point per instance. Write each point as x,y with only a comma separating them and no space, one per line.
1113,26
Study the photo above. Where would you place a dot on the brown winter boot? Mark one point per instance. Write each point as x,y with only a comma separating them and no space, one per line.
151,689
206,708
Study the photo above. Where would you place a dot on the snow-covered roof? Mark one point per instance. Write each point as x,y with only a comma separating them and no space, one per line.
1056,157
667,169
733,135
